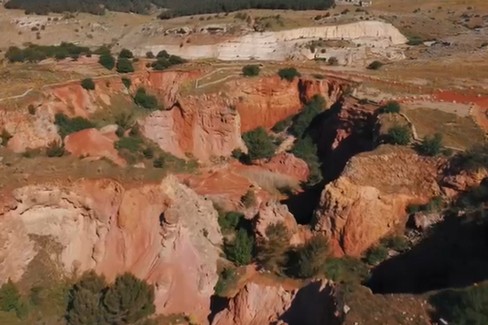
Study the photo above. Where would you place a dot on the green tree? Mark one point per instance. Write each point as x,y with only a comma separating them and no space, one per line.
400,135
107,61
241,249
150,55
272,252
84,305
309,260
288,73
88,84
128,300
431,145
125,53
124,65
251,70
228,221
376,254
259,144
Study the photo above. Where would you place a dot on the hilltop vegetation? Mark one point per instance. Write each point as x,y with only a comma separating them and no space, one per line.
176,8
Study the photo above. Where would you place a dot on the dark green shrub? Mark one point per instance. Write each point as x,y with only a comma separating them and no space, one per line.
396,243
55,149
376,255
259,144
36,53
229,221
174,60
142,99
67,125
124,66
347,270
10,299
251,70
127,82
431,145
375,65
390,107
88,84
309,259
150,55
127,301
161,64
333,61
125,53
288,73
241,249
399,135
107,61
163,54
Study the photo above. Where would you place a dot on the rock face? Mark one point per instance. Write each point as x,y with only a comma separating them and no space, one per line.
258,304
287,164
369,199
165,234
282,45
272,213
203,127
94,144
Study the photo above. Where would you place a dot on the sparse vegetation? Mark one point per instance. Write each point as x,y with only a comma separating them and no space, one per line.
288,73
399,135
311,110
88,84
249,199
474,158
282,125
259,144
415,40
228,221
67,125
376,254
306,149
251,70
164,61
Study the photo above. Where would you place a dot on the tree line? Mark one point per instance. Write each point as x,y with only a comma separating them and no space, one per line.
174,7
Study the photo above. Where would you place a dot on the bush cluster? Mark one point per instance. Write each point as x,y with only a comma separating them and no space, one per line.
88,84
67,125
390,107
164,60
36,53
175,7
399,135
